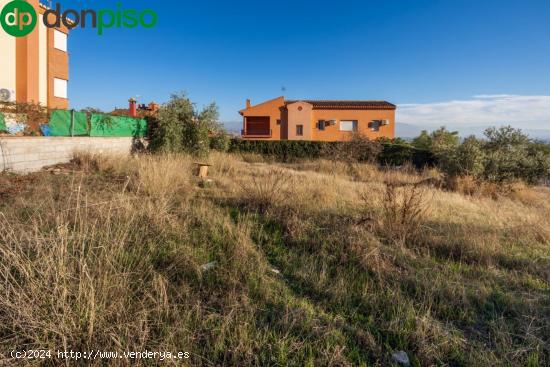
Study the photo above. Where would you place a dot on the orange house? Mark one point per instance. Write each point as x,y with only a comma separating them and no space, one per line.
280,119
35,68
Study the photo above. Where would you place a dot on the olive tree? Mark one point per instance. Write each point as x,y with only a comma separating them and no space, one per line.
511,155
181,128
466,159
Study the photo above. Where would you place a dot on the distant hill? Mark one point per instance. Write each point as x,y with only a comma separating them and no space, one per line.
233,127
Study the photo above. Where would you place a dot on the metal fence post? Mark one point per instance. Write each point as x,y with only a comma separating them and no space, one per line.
72,123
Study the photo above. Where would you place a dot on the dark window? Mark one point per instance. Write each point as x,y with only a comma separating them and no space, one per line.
321,125
299,130
375,125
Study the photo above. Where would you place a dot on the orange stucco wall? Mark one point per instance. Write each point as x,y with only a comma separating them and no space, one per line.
270,108
299,113
290,116
363,117
27,66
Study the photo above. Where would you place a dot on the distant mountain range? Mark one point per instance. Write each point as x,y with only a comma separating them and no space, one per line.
233,127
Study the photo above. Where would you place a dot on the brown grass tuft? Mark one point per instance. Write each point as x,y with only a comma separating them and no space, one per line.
403,210
266,189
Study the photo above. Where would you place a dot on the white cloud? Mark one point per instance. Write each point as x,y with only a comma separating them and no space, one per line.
527,112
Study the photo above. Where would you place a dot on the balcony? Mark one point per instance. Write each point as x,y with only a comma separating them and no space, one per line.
257,134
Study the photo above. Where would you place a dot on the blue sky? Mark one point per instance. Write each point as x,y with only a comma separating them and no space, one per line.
438,59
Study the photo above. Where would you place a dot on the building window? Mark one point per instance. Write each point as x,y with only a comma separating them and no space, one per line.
348,125
321,125
60,88
59,40
299,130
375,124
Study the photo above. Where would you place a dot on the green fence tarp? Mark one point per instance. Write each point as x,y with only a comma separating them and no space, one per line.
60,123
117,126
100,125
2,123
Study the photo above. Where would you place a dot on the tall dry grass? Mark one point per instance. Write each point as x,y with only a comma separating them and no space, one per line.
312,264
403,212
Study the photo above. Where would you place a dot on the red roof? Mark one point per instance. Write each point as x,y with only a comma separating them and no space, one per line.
346,105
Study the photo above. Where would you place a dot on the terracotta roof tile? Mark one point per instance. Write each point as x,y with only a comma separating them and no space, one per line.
338,104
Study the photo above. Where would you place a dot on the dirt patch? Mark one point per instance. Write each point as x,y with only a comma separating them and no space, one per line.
12,185
63,168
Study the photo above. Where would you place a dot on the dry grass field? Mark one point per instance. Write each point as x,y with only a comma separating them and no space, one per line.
310,264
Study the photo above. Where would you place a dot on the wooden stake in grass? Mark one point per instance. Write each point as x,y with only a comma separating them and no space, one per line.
202,169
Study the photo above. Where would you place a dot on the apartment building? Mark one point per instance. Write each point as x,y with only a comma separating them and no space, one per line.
335,120
35,68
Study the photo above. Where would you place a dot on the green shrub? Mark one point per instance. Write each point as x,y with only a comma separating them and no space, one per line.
283,150
506,155
465,160
168,135
383,151
397,152
180,128
220,142
512,155
438,141
358,149
423,141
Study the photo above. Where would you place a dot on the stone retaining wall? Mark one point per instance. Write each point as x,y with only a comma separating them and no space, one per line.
29,154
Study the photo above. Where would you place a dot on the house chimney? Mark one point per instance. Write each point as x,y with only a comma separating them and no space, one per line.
132,108
247,103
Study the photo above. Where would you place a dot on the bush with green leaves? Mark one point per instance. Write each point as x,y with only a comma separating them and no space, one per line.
388,152
358,149
505,155
282,150
511,155
168,135
467,159
220,142
180,128
398,152
439,141
444,148
423,141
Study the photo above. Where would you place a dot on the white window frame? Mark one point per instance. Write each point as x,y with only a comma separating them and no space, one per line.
60,88
60,40
348,125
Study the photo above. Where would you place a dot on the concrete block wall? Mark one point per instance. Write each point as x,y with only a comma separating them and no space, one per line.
29,154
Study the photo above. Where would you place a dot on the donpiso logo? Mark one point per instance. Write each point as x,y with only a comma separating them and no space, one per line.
18,18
